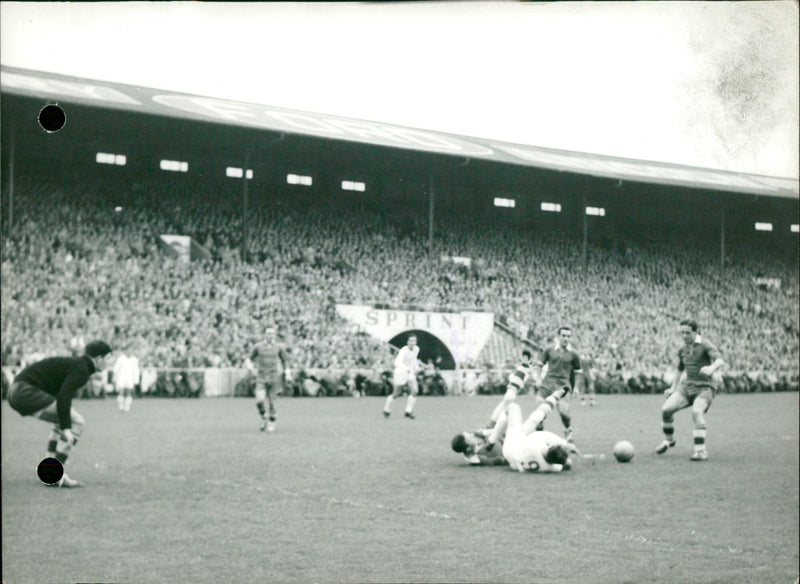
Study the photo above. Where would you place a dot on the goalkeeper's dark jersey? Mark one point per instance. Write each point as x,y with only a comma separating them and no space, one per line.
61,377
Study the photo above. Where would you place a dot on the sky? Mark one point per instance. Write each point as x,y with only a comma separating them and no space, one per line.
708,84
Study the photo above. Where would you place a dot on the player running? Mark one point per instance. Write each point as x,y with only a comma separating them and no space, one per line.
45,390
561,370
269,362
406,365
698,360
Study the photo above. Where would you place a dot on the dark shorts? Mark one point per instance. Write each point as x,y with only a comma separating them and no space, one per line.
692,391
27,399
550,386
269,384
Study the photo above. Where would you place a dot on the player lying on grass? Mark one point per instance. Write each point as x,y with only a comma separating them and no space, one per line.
523,447
473,446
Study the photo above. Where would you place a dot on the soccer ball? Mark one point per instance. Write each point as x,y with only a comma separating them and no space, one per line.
623,451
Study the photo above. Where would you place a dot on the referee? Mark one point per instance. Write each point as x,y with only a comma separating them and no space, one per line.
45,390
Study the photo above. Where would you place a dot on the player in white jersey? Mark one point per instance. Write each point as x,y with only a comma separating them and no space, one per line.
539,451
406,365
126,375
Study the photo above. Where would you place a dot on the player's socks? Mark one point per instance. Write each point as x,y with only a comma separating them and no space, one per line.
412,399
669,430
55,435
387,407
121,401
128,402
496,432
501,407
63,448
536,420
261,409
699,439
568,431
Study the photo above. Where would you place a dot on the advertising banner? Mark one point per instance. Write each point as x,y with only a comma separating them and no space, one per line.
464,333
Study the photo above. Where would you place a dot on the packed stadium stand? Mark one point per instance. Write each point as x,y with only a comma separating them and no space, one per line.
82,260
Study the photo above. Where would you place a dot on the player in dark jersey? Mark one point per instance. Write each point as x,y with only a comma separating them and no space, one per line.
45,390
472,446
561,369
698,360
269,362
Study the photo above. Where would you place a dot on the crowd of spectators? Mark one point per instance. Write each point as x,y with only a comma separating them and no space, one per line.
81,262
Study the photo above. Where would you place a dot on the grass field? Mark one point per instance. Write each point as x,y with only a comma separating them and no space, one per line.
191,491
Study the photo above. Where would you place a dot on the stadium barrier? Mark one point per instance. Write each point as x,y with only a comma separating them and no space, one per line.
314,382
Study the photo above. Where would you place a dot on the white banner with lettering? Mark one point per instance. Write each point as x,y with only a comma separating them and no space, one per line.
464,333
179,244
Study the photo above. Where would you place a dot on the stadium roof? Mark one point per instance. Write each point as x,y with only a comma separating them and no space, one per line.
54,88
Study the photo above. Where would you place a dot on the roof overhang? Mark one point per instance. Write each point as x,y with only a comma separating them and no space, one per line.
63,89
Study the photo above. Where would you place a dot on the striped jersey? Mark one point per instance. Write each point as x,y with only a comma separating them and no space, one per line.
518,377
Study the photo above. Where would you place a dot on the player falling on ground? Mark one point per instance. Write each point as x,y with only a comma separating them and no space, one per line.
45,390
523,447
269,361
516,381
473,446
406,365
561,369
698,360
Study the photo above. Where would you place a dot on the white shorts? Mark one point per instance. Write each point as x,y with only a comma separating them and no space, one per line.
515,447
401,378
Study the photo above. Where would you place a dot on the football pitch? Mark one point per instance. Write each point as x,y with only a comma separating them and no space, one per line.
190,491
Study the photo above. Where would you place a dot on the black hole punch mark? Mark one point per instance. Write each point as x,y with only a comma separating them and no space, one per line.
52,118
50,471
